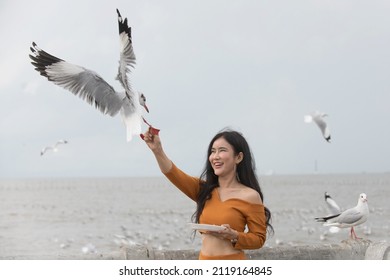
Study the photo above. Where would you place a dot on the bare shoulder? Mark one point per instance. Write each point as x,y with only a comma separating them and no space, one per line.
251,196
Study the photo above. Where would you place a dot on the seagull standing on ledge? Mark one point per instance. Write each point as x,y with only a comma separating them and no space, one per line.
318,118
91,87
350,217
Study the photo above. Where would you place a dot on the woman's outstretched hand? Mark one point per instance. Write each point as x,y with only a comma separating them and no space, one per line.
152,140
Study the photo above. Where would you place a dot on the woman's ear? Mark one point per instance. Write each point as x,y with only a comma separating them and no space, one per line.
239,158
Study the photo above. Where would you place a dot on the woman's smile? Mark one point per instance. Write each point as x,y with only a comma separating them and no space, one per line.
217,165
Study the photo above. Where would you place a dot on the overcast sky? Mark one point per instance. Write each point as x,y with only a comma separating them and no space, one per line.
254,66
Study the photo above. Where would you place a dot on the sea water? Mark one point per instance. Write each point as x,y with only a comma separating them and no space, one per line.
71,217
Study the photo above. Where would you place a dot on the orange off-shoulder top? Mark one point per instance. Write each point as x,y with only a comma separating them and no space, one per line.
236,212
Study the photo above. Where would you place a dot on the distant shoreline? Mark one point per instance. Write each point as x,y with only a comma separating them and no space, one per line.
261,175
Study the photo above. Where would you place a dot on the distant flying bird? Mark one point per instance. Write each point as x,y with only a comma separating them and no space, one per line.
350,217
54,147
318,118
91,87
332,205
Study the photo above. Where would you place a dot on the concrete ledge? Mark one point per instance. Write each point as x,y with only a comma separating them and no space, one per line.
378,251
111,256
346,250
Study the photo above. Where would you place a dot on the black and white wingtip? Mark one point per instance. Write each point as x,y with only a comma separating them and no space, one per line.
325,219
119,15
123,26
41,59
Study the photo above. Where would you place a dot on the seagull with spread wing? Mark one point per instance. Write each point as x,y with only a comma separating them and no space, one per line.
54,147
318,118
92,88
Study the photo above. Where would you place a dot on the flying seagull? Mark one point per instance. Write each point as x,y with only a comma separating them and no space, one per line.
318,118
54,147
350,217
92,88
332,205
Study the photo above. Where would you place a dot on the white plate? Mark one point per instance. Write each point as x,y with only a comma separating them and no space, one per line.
206,227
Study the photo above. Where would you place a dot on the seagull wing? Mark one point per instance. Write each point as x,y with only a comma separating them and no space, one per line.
130,111
327,218
318,119
60,142
127,56
82,82
45,149
349,217
332,205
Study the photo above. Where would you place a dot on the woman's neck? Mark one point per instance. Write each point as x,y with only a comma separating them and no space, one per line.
229,181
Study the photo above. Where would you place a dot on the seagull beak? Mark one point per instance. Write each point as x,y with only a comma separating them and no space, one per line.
146,108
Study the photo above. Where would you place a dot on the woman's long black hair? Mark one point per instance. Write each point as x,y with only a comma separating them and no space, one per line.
245,172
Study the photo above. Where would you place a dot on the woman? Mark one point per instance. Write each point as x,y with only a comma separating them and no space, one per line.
227,193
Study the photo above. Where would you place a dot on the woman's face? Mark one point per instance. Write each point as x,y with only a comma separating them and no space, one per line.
223,158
